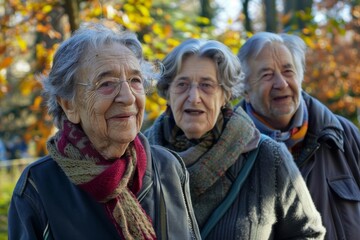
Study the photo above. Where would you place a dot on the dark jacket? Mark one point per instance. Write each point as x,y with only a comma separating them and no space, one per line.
46,205
329,163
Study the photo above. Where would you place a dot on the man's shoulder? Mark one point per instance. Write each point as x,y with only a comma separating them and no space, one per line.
346,123
314,103
350,129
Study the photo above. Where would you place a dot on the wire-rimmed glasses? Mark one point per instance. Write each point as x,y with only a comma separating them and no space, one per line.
110,87
182,86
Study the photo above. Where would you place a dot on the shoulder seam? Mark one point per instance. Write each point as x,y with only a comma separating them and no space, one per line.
24,177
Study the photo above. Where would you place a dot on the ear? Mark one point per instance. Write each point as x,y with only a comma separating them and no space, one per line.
228,98
70,110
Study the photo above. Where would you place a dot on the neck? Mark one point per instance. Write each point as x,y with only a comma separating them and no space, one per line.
113,151
281,123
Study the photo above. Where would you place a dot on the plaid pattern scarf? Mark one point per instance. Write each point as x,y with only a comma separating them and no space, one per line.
296,132
112,183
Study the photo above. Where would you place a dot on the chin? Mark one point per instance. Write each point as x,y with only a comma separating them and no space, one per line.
124,138
193,135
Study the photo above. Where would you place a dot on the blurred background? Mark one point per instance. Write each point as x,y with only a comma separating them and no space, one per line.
32,30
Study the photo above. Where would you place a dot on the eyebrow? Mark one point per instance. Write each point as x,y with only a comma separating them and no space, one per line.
135,72
265,69
105,74
206,78
288,65
182,78
115,73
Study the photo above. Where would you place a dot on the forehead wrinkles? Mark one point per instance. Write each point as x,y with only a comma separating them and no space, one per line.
282,56
112,51
107,61
109,54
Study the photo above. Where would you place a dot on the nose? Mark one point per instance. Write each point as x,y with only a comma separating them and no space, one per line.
194,94
280,81
125,93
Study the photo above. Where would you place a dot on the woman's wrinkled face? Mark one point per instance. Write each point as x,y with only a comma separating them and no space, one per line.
109,119
196,109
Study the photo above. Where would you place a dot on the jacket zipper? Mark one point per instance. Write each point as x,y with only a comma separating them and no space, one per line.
190,212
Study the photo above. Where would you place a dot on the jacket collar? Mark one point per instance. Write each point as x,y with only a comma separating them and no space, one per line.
325,126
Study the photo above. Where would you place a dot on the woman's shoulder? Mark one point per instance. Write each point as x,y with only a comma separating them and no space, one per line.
274,151
39,167
275,155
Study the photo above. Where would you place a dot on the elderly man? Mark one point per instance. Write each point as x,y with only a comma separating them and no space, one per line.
325,146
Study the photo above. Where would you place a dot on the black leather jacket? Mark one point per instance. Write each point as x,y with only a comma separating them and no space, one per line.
329,163
46,205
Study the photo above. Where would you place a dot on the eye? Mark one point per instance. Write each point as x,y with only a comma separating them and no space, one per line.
267,76
106,85
136,82
289,73
181,84
206,85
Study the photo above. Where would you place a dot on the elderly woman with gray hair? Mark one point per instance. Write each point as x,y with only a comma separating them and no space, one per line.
101,179
243,187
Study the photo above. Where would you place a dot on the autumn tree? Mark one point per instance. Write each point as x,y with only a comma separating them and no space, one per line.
32,30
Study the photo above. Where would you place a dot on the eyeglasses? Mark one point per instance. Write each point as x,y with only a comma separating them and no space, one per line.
110,87
207,87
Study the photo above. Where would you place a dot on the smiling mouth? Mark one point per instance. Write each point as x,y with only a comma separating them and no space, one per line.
123,117
281,98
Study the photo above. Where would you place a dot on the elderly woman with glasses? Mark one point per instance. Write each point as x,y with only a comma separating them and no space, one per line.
101,179
242,187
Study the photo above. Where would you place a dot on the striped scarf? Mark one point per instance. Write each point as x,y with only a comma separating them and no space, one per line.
112,183
296,132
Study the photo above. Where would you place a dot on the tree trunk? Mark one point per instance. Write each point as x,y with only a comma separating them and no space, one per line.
270,16
72,10
206,11
292,7
245,10
304,6
356,23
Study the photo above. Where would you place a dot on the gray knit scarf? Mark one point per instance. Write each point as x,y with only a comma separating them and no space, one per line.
207,159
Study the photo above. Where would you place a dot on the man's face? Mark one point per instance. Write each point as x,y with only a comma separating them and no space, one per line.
274,88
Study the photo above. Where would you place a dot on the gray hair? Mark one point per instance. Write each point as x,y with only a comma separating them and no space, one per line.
228,66
254,45
72,53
